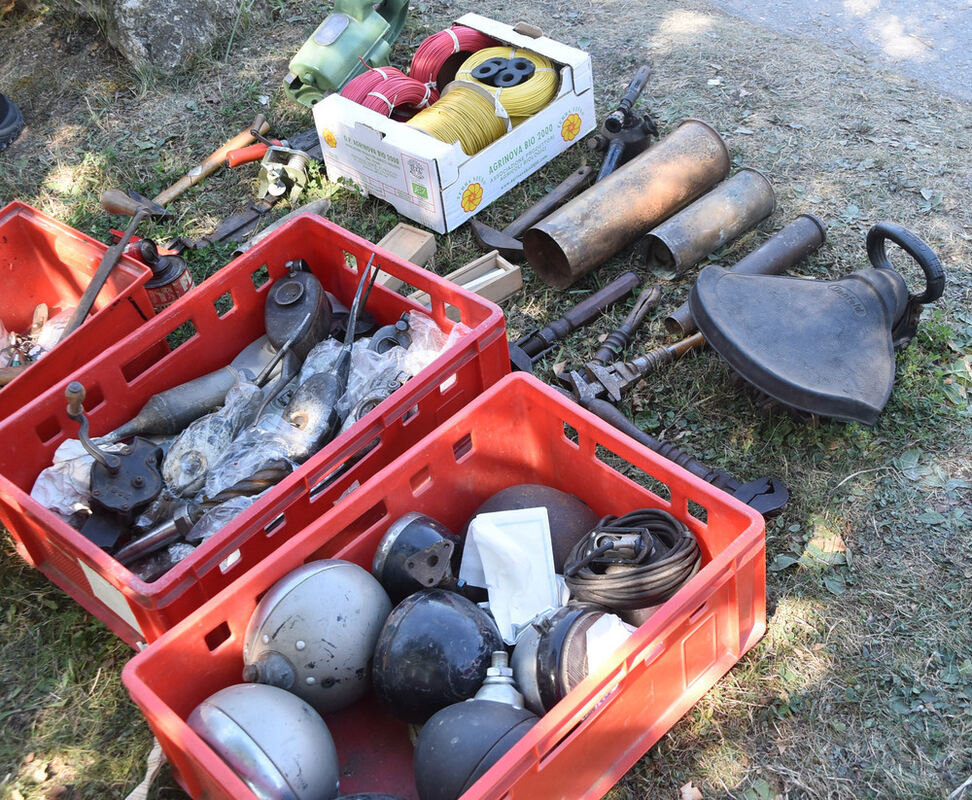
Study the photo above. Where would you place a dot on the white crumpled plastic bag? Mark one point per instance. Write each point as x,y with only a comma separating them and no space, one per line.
64,486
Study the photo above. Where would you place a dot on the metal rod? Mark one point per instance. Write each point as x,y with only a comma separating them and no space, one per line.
108,262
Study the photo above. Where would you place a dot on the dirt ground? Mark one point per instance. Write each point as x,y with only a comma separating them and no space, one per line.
862,686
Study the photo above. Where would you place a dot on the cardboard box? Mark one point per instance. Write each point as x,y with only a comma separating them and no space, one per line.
490,276
435,183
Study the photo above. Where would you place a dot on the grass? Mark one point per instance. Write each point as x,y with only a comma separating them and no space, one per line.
862,686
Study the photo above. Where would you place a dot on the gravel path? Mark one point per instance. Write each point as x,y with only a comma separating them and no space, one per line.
930,40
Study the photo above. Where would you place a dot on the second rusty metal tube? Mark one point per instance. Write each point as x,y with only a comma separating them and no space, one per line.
775,256
719,216
616,211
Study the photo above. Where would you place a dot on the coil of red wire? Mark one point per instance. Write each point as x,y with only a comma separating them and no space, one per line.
445,49
390,92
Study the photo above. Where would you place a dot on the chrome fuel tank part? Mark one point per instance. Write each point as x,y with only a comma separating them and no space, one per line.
314,633
274,741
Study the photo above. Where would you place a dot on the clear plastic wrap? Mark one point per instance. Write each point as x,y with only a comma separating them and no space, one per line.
218,516
268,443
50,334
276,441
203,443
428,341
64,486
156,564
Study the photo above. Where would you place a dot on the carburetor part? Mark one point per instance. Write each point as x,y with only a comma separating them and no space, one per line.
416,552
121,483
283,173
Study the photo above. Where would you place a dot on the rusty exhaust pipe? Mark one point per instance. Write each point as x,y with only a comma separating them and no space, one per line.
774,257
616,211
728,211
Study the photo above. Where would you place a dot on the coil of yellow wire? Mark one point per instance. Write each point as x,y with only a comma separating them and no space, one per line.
524,99
463,114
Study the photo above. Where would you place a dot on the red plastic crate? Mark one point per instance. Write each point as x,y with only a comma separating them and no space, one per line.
45,261
126,375
519,431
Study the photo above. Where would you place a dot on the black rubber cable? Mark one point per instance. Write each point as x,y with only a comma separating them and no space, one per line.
637,560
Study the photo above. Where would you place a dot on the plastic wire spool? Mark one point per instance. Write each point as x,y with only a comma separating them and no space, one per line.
449,48
464,114
390,92
536,89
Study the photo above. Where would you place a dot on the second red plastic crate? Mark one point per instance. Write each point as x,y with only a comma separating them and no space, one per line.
220,318
45,261
519,431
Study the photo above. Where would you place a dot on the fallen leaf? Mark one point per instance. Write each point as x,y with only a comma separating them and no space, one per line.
781,562
689,792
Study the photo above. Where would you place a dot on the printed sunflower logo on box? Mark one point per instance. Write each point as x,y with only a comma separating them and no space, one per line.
472,196
329,138
570,127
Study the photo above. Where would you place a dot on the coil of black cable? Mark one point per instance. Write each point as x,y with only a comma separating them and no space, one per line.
669,556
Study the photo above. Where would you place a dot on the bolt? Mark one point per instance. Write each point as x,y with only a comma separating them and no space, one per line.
96,492
138,481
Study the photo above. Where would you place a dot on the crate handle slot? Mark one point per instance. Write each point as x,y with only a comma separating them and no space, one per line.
462,447
653,654
319,483
697,614
230,561
274,524
217,636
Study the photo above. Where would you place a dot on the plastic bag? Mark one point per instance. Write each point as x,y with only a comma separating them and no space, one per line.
65,486
266,445
203,443
510,555
428,341
50,334
218,516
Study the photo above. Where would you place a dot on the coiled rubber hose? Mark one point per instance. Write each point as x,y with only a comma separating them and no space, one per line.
633,561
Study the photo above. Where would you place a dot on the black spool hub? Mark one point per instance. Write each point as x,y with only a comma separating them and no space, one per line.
505,72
